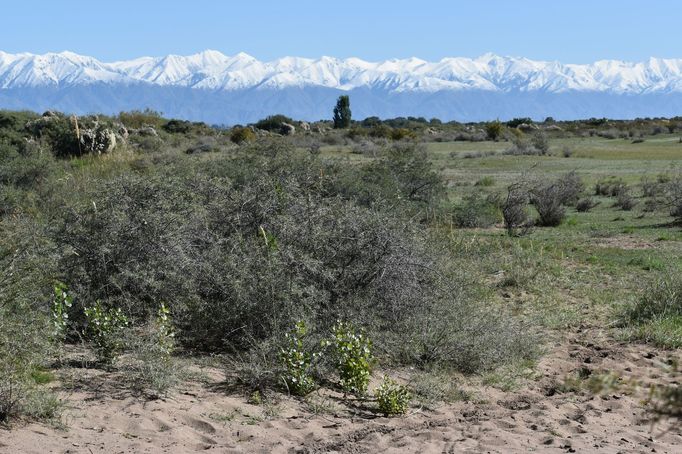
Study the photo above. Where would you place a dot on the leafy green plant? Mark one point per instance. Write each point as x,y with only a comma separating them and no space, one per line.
61,303
392,398
105,328
297,362
353,358
165,332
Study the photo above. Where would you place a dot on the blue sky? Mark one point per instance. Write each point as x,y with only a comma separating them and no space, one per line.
575,31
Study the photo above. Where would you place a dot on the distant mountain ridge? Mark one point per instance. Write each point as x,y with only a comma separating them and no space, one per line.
213,87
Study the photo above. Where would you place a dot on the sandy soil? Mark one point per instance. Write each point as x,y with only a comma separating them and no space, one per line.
102,418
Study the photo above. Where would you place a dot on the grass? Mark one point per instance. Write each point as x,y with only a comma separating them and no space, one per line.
591,266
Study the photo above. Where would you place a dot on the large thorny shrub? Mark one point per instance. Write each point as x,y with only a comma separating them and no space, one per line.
242,248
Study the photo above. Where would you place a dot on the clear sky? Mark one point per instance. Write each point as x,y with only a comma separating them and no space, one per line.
571,31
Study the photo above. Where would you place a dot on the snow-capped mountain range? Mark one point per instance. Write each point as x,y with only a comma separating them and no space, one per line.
223,89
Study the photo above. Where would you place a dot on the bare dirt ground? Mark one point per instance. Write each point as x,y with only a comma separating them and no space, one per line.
541,416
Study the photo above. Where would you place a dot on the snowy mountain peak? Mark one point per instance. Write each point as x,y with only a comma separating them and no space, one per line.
211,69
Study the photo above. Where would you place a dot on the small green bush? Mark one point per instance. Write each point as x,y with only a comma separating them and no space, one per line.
392,398
353,355
297,362
136,119
61,304
242,135
105,331
476,211
494,130
273,123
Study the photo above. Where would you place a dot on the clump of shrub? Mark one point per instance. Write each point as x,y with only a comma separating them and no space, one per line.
26,328
273,123
586,204
567,151
625,201
353,356
477,211
146,143
540,142
297,362
136,119
549,199
610,187
392,398
105,331
538,145
241,135
673,195
243,245
493,130
515,210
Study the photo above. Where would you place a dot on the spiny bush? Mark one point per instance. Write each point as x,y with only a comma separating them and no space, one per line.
392,398
625,201
476,211
610,187
540,142
27,261
673,196
585,205
515,210
402,173
551,198
243,245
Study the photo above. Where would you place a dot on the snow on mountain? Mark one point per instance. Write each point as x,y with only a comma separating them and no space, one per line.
213,70
217,88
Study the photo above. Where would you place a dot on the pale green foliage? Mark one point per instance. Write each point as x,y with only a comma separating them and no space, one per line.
165,332
353,358
61,303
105,330
392,398
297,362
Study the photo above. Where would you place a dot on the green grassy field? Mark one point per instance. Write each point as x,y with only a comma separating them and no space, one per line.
586,271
